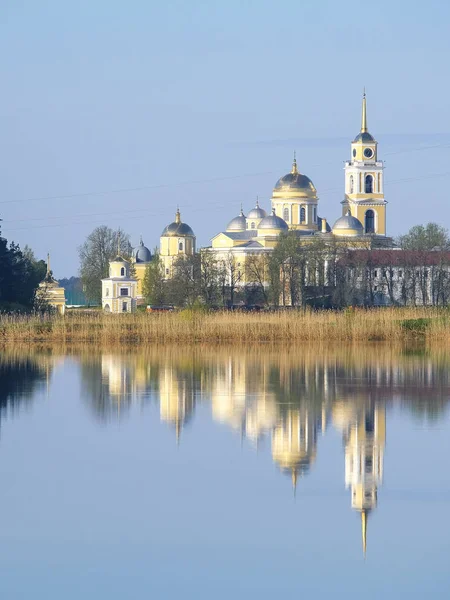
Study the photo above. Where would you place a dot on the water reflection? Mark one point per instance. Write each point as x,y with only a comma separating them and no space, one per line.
286,397
21,376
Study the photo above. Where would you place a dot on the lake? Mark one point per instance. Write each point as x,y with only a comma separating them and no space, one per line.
228,472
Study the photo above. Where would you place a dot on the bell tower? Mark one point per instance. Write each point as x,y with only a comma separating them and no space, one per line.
364,185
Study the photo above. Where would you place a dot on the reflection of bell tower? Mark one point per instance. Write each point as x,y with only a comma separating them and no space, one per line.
364,187
177,398
294,442
364,453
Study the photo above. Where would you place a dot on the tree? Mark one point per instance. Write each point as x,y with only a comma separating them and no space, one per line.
100,247
19,276
184,286
210,269
425,238
257,275
291,262
153,288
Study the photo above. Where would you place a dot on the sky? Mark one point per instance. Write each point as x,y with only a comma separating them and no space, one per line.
113,113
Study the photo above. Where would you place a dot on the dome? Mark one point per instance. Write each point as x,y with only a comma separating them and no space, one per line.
177,228
238,223
295,182
257,212
364,136
142,254
273,222
348,225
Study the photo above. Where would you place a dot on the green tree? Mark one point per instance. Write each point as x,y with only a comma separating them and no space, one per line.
153,284
100,247
425,237
20,275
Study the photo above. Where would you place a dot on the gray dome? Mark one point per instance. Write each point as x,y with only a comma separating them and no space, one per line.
177,228
257,213
348,222
238,223
273,222
142,254
364,137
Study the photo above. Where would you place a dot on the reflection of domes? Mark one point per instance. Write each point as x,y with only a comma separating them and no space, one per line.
142,254
295,182
257,213
238,223
348,225
273,222
177,228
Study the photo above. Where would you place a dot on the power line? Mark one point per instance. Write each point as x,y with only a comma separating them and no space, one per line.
184,183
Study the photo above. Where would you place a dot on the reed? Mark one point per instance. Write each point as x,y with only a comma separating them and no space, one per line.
357,325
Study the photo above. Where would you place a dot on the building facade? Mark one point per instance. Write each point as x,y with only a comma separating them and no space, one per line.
119,290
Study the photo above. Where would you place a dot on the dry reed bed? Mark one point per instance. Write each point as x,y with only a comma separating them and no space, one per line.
359,325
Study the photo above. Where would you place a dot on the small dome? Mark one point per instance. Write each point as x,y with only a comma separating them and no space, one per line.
257,212
273,222
238,223
295,182
364,137
177,228
142,254
348,225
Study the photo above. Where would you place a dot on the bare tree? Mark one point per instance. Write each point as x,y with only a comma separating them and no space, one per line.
101,246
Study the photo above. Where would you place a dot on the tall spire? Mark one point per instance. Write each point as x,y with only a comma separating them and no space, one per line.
364,114
48,264
364,531
294,170
118,243
294,481
177,215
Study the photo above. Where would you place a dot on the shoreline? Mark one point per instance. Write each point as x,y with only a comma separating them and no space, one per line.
393,325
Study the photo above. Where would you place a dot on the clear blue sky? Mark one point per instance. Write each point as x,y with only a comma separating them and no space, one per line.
202,103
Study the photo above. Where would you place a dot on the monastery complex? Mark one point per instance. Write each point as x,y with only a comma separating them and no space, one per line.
294,207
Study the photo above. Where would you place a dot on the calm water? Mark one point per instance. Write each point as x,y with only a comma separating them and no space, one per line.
229,473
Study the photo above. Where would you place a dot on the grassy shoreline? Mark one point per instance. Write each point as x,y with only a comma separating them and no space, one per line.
358,325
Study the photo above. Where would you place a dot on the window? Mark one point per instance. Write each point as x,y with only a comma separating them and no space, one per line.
107,292
286,214
375,273
302,214
124,291
369,184
370,220
124,307
167,271
315,214
379,182
400,274
351,186
253,226
180,246
122,271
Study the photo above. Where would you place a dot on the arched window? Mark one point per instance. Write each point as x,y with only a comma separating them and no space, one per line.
351,184
369,184
122,271
107,292
315,215
302,214
253,226
286,214
180,246
370,221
